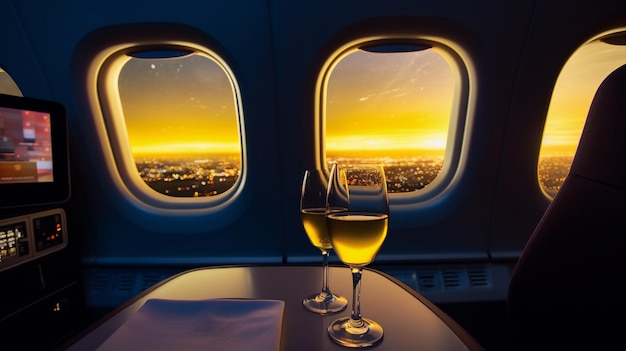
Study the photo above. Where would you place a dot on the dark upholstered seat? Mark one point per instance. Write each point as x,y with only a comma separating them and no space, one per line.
566,290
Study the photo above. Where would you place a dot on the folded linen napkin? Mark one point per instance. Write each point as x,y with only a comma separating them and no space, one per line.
215,324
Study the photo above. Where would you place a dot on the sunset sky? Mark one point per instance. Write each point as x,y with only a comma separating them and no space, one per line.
180,105
376,101
573,94
389,101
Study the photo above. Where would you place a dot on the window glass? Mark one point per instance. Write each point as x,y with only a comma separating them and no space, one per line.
571,99
181,116
7,84
393,107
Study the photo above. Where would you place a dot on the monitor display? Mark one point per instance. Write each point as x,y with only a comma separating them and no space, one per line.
33,152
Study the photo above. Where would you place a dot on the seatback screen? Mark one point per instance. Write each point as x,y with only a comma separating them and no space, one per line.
25,146
34,153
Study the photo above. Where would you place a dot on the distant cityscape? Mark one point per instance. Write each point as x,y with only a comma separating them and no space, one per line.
552,171
185,177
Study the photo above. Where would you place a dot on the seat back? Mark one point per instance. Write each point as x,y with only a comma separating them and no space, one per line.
565,290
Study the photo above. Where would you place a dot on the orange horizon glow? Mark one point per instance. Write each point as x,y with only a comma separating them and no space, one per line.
185,149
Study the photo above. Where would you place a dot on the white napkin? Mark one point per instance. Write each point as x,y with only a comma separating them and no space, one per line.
215,324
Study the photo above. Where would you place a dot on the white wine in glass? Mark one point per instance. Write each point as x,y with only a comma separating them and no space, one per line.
313,214
357,211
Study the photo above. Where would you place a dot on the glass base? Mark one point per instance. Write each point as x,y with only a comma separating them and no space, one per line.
346,332
324,303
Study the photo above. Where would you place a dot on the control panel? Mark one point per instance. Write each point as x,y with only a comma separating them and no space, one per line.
28,237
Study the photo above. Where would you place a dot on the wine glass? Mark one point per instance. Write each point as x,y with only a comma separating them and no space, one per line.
357,212
312,212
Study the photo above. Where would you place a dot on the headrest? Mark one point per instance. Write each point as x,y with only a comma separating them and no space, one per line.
601,153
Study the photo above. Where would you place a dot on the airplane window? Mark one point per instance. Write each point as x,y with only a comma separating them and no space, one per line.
182,120
571,99
391,103
8,85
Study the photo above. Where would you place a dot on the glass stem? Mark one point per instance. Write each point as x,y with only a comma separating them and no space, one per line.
325,288
355,319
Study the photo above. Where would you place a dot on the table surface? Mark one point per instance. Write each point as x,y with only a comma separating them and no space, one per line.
409,321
